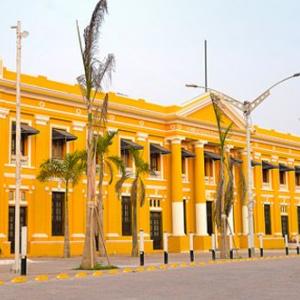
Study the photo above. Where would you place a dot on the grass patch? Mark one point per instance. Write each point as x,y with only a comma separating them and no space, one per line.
99,266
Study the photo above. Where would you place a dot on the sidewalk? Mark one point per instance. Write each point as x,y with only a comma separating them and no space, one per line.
52,266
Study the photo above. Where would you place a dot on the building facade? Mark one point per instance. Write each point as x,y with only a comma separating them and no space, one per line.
179,142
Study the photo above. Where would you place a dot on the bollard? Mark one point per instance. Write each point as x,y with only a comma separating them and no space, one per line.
261,245
24,251
297,244
286,242
166,255
213,246
249,248
231,246
192,256
142,255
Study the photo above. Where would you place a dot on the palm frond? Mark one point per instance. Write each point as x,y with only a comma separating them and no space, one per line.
110,171
142,192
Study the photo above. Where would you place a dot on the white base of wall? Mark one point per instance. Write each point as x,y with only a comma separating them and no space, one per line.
201,219
177,219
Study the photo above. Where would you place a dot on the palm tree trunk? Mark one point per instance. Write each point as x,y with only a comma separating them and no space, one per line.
89,253
223,252
67,250
134,251
101,241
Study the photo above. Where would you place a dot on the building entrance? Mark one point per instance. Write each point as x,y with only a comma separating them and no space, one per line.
156,229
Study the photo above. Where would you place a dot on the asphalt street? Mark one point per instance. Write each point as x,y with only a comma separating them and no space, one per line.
261,279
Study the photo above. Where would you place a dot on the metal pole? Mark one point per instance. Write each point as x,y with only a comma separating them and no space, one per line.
249,186
191,242
286,242
297,245
205,64
261,245
142,251
230,246
18,149
213,247
165,246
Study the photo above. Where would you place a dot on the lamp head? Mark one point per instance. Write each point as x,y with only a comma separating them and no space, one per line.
25,34
192,85
296,75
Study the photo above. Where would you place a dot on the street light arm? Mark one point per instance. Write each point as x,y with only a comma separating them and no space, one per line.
239,105
253,104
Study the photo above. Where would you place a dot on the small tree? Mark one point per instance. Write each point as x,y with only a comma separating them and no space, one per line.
91,82
104,160
137,192
69,170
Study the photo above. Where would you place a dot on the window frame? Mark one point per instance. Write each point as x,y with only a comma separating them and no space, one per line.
57,226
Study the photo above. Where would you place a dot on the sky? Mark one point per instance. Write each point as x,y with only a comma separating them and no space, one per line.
158,45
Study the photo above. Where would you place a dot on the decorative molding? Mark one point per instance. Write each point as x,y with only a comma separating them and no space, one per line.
3,112
78,126
40,235
41,119
141,136
175,139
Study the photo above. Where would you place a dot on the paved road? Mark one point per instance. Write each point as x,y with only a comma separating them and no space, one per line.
267,279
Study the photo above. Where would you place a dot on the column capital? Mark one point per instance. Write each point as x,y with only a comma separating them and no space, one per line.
175,139
142,136
200,143
228,148
4,113
291,161
274,158
41,119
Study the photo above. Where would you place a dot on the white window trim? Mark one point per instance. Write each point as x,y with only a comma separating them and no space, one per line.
210,180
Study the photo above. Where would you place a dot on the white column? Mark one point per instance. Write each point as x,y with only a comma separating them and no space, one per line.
230,221
201,219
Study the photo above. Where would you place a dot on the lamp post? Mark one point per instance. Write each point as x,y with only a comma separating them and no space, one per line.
247,107
19,35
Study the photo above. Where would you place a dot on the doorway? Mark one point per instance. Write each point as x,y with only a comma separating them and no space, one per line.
156,229
285,225
11,225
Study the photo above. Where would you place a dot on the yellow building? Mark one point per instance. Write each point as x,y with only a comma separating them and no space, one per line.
180,142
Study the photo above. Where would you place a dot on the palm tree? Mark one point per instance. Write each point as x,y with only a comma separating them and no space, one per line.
69,170
105,162
225,188
137,192
91,82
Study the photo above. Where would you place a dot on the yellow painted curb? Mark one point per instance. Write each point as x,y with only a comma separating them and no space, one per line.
201,264
63,276
183,265
163,267
19,279
1,282
41,278
127,270
140,269
173,265
113,271
81,275
97,273
192,264
151,268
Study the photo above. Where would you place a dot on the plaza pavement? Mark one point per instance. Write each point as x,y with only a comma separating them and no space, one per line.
275,277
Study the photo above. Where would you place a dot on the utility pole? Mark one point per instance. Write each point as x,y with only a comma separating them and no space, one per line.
19,36
205,64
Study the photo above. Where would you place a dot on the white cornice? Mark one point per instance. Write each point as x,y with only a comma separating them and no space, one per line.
41,119
3,113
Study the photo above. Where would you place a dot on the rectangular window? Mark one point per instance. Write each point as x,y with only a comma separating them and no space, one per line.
126,216
183,165
58,201
267,213
282,177
298,211
155,162
24,141
208,167
297,179
209,217
266,175
58,149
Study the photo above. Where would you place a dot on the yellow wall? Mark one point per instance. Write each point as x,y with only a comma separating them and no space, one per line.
47,104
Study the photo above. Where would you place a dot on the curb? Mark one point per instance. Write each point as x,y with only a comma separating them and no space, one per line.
162,267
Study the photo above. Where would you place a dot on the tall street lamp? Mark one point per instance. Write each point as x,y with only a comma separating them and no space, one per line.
247,107
19,35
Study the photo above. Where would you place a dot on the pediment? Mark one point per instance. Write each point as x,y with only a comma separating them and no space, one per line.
201,109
